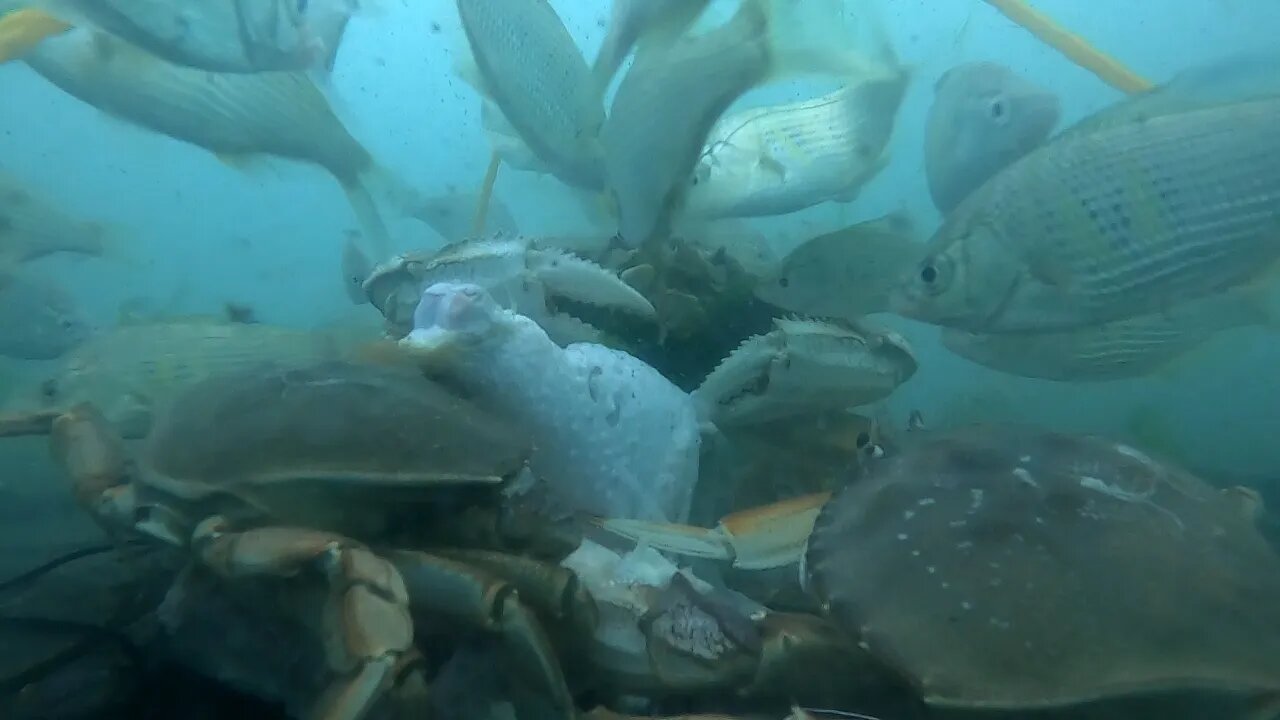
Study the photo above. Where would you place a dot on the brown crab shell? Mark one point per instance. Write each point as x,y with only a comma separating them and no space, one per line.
1011,568
332,436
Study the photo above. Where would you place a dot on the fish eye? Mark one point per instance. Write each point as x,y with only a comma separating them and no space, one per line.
997,109
49,389
935,273
862,440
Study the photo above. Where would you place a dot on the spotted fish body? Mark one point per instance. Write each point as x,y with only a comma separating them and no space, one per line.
1098,226
533,70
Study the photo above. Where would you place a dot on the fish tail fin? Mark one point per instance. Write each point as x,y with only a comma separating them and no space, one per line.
814,37
656,37
393,190
22,30
376,239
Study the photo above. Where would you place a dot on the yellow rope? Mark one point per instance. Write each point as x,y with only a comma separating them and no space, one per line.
486,192
1076,48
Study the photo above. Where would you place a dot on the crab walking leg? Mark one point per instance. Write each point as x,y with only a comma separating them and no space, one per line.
756,539
482,600
550,590
39,422
368,632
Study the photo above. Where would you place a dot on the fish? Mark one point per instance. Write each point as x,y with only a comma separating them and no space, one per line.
527,63
670,100
236,116
245,36
1114,223
33,226
39,319
1250,76
779,159
356,268
845,274
644,22
1119,350
451,215
130,371
983,117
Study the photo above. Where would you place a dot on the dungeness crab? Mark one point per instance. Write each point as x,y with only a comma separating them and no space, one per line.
302,479
992,569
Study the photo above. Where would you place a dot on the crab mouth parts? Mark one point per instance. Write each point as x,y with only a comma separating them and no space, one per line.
432,342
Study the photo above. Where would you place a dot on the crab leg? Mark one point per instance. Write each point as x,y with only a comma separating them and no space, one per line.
482,600
757,539
38,422
368,634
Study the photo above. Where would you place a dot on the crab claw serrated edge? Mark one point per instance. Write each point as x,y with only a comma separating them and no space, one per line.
584,281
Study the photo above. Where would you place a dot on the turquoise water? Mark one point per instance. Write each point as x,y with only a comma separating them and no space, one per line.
202,233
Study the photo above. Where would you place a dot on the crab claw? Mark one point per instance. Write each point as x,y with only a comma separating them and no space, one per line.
757,539
586,282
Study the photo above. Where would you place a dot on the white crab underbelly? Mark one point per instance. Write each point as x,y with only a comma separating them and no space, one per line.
612,436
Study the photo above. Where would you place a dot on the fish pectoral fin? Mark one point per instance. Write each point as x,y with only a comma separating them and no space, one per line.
22,30
772,165
1047,273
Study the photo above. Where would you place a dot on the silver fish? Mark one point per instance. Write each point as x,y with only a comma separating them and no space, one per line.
451,215
1234,79
237,36
528,64
234,115
845,274
39,320
984,116
663,110
1113,223
32,226
130,371
784,158
672,97
637,21
1118,350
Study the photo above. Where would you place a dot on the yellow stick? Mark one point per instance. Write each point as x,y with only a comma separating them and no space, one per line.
22,30
1076,48
486,192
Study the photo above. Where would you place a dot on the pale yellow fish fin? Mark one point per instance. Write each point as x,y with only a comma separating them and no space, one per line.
22,30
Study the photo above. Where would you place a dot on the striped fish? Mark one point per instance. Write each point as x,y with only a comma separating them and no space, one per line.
133,370
1103,225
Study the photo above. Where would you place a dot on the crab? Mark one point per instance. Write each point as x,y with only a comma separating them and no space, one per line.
528,278
1008,569
326,485
805,367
